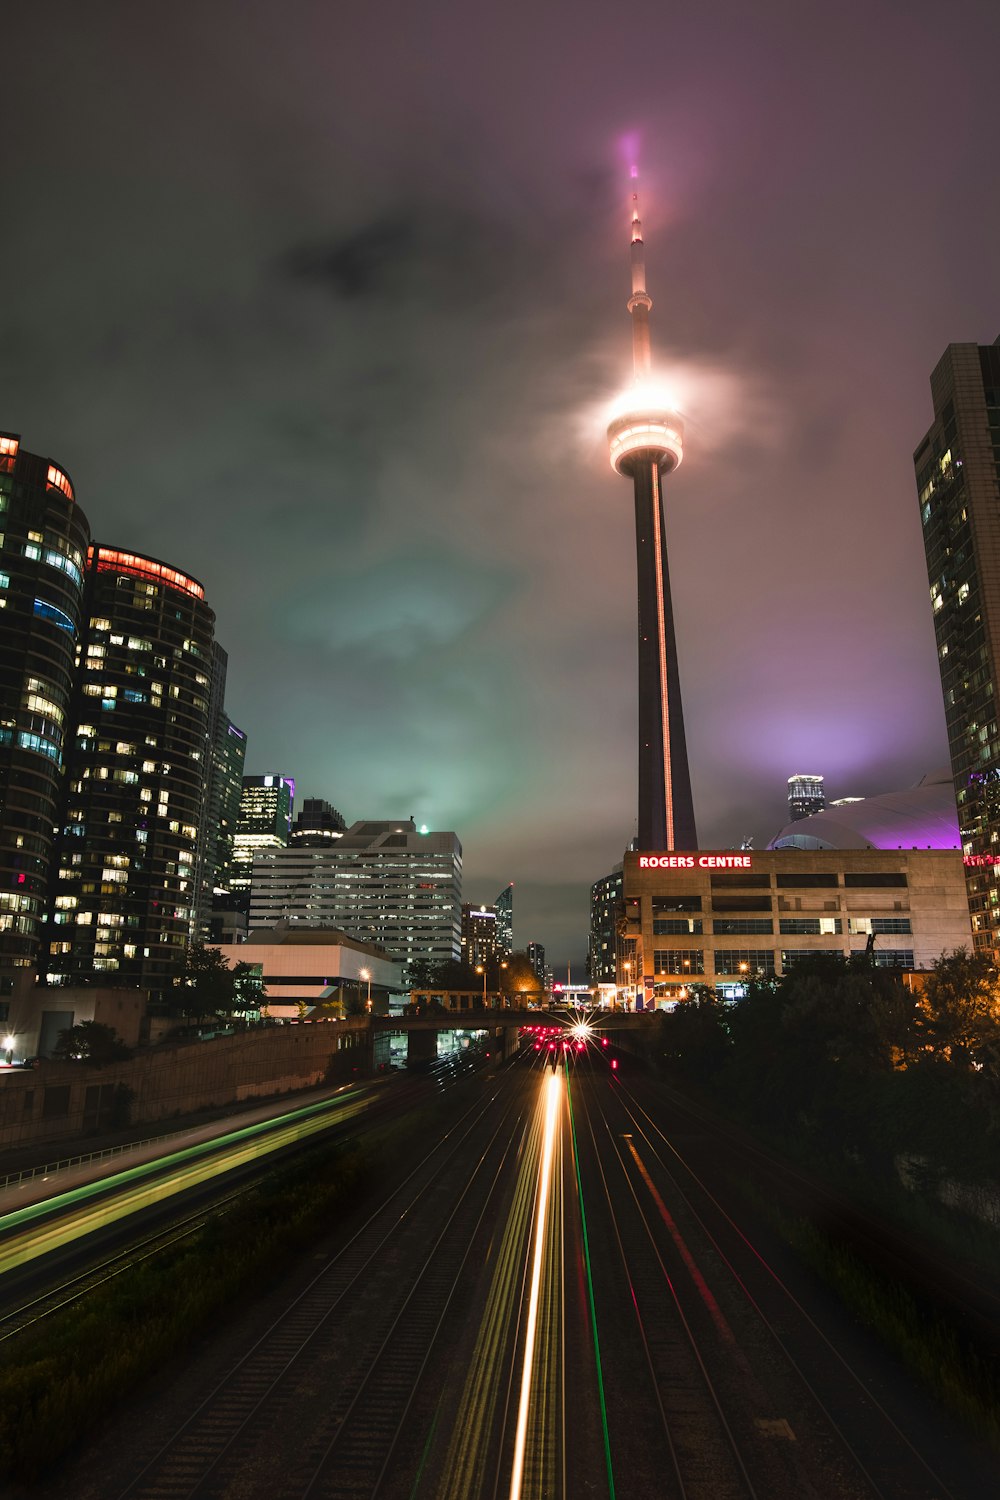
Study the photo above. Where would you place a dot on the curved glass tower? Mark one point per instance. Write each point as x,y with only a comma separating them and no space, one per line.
43,544
647,442
126,890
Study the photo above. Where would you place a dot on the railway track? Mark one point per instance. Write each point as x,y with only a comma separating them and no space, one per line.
792,1412
372,1313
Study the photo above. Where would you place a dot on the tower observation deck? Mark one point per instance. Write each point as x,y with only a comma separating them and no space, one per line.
646,441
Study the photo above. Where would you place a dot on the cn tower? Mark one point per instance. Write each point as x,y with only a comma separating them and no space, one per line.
647,443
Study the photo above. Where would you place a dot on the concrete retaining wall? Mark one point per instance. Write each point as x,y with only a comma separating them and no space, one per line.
60,1101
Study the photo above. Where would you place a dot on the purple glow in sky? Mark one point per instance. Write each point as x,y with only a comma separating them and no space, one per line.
284,334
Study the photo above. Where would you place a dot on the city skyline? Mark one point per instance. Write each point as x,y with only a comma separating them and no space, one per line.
346,359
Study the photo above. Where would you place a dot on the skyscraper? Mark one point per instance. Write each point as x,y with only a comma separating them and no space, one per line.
646,442
479,935
958,483
265,822
227,750
43,542
126,890
805,797
504,908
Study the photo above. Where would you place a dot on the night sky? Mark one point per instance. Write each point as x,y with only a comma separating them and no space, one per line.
325,305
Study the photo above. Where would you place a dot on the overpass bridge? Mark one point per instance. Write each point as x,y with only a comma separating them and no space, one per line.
422,1027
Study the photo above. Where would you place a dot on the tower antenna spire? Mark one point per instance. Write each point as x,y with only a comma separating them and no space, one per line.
640,301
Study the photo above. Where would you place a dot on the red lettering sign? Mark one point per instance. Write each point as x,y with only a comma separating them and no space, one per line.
703,861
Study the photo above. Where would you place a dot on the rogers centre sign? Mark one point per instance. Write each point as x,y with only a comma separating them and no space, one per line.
695,862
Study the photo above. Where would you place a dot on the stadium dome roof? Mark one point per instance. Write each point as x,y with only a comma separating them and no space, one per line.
920,817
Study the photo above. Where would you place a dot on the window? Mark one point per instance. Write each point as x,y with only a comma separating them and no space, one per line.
741,903
676,926
861,926
805,880
809,926
677,903
792,956
893,958
679,960
745,961
743,926
741,882
46,611
874,881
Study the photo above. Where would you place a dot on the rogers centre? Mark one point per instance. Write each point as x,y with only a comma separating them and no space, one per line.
690,861
718,918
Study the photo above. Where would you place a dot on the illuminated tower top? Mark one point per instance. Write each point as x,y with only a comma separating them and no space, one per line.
647,427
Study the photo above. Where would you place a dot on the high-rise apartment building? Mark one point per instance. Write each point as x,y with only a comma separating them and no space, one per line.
536,958
264,823
43,543
607,912
805,797
125,897
958,483
646,443
382,882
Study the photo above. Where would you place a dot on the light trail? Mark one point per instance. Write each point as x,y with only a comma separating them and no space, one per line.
35,1230
590,1297
553,1097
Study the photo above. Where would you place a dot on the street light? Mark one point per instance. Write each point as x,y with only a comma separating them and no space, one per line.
366,974
481,969
627,966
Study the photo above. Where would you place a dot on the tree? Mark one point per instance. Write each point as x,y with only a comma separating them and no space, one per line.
248,989
207,986
91,1042
519,978
960,1012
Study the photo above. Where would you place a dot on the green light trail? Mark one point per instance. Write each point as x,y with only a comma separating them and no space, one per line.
590,1291
23,1239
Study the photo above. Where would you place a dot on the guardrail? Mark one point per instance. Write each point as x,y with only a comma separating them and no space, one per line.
14,1179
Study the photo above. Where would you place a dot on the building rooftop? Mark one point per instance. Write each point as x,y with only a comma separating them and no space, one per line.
919,817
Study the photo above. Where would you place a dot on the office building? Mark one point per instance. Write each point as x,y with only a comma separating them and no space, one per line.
125,896
805,797
957,469
606,920
264,822
382,882
226,758
504,908
646,443
317,972
43,543
722,918
480,938
317,822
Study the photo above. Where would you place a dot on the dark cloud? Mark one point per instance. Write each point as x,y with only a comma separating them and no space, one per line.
362,264
326,310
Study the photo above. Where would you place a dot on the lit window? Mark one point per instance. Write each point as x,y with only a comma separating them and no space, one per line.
57,480
46,611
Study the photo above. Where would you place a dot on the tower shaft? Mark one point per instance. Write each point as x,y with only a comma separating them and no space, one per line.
666,807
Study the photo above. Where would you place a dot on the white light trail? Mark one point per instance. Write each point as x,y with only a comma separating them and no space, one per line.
553,1086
